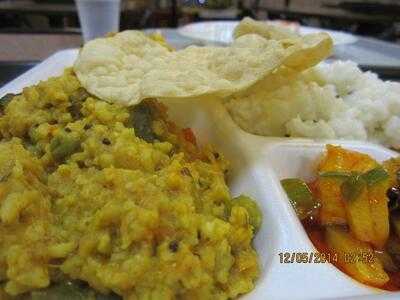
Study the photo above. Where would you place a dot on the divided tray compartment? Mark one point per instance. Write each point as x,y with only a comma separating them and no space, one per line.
256,166
270,160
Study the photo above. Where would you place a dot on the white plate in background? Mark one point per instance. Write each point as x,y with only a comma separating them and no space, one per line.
220,32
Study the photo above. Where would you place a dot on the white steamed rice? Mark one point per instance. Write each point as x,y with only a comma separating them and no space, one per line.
329,101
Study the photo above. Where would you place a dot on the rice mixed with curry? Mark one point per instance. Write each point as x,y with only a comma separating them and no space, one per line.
100,199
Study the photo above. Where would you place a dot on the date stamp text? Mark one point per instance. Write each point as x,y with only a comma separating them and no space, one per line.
322,258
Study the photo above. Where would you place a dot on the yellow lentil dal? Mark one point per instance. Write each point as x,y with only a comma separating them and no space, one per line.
143,220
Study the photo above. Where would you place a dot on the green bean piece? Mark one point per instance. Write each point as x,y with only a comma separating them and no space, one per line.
76,99
254,211
63,146
141,119
300,197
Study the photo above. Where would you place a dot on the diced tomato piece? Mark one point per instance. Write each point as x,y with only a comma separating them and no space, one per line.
189,136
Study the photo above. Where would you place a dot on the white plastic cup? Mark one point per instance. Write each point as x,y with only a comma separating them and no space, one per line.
98,17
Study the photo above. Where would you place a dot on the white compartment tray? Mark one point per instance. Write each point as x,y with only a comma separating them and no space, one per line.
257,165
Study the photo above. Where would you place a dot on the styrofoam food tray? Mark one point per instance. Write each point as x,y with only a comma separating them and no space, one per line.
257,165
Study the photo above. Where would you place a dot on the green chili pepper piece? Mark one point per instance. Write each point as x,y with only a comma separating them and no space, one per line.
353,187
375,175
300,197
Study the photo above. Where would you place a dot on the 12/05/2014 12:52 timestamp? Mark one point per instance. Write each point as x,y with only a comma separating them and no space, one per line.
318,257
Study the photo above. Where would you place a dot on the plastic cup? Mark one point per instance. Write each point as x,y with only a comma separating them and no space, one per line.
98,17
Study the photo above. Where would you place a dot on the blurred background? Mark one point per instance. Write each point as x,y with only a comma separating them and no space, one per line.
31,30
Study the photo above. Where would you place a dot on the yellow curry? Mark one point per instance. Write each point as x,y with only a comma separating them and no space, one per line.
99,199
